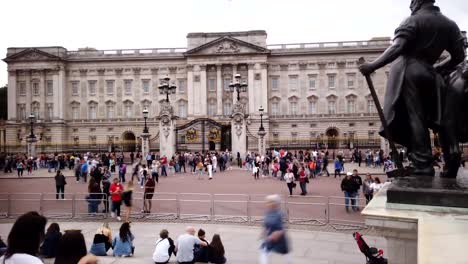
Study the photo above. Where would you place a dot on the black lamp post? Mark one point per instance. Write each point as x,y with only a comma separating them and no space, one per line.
145,116
31,123
238,86
166,88
261,129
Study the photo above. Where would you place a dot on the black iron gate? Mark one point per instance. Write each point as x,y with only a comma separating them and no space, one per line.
203,134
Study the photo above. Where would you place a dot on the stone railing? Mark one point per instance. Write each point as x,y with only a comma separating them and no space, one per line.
331,45
126,52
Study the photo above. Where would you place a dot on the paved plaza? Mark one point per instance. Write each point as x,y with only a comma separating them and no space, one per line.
240,242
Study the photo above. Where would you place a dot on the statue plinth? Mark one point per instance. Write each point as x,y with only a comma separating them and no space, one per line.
432,191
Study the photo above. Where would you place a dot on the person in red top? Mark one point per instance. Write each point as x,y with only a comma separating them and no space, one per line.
303,181
116,190
163,165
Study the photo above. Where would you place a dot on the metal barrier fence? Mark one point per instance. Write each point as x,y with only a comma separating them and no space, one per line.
240,208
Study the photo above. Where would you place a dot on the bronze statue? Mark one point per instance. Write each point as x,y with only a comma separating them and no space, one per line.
418,98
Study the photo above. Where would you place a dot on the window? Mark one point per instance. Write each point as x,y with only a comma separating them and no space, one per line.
128,87
110,111
312,82
274,83
371,137
75,87
146,86
331,107
129,110
50,87
212,108
75,112
76,140
351,80
35,88
93,111
294,137
226,83
21,111
182,109
331,81
211,85
22,88
312,107
182,86
92,87
293,108
370,106
35,109
110,87
227,109
50,111
275,108
351,106
276,136
92,141
293,83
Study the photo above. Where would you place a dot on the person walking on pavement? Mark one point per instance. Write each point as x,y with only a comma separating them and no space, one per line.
60,183
358,181
349,186
366,188
289,178
116,190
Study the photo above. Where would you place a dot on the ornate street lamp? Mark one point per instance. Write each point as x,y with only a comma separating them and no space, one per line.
145,116
166,88
32,119
261,129
238,86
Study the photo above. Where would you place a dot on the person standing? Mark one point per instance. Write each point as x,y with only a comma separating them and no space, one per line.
289,178
376,185
132,157
106,193
116,190
200,169
358,181
303,181
209,167
164,166
366,188
20,168
155,171
60,183
274,234
84,171
349,186
122,172
338,168
148,195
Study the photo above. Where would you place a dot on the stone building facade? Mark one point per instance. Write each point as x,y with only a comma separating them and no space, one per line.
312,93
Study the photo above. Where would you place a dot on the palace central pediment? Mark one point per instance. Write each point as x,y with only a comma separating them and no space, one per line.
227,46
31,55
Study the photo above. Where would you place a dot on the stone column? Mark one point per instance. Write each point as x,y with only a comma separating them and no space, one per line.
12,96
250,89
167,130
43,93
202,93
219,90
234,95
28,93
190,93
60,94
264,89
238,130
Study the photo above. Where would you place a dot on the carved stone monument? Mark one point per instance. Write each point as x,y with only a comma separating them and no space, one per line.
426,92
239,130
167,135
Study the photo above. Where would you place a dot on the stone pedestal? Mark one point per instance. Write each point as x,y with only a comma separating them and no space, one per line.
31,141
145,145
418,233
239,130
167,136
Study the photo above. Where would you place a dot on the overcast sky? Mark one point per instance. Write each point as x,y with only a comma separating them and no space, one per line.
116,24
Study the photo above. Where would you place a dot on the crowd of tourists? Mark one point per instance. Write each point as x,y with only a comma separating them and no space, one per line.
28,242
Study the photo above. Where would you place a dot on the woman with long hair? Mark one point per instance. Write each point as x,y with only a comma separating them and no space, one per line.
24,239
216,250
123,243
94,196
71,248
51,241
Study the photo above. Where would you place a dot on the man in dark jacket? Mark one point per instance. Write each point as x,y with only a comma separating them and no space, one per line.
349,186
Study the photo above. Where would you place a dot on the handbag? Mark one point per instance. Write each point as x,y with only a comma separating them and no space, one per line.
294,185
307,180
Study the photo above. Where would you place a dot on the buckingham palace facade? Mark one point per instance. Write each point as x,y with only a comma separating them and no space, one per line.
312,93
